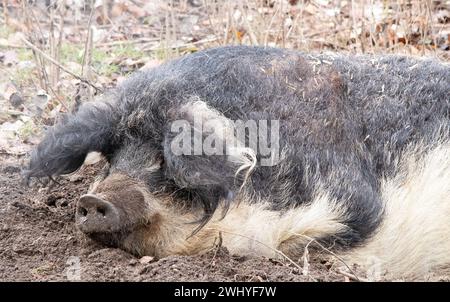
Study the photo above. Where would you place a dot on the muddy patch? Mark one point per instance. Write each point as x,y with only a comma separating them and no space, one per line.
39,242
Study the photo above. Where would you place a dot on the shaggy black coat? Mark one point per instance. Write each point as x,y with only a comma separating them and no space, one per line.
344,121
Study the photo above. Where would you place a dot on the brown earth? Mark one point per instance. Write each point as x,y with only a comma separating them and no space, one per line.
39,242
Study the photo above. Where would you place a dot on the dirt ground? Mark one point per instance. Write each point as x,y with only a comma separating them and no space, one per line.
39,242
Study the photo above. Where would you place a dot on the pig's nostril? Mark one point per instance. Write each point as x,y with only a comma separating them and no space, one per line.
102,211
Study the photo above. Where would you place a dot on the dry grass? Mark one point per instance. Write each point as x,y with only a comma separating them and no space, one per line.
165,29
73,50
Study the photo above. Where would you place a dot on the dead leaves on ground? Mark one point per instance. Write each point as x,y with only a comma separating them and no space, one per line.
131,35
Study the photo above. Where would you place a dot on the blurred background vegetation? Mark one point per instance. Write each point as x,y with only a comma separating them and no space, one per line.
55,54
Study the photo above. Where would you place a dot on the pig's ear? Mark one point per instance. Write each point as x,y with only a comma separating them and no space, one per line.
201,154
66,145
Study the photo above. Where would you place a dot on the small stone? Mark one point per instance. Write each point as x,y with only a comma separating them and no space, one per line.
4,227
146,259
132,262
76,177
19,205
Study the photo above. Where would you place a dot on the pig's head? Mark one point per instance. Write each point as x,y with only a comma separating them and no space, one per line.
150,198
115,208
128,206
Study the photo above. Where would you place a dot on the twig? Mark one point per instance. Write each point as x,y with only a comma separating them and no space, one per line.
306,259
59,99
126,42
87,44
251,33
44,55
155,47
362,36
230,24
332,253
351,276
293,26
7,45
105,16
216,248
430,24
283,35
269,247
29,15
207,8
266,37
53,50
301,26
5,11
62,12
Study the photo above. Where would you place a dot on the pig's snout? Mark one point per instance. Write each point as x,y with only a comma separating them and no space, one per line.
95,215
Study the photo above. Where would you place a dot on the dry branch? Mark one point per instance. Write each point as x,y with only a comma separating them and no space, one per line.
50,59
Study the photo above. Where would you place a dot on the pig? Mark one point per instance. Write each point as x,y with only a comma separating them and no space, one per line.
269,151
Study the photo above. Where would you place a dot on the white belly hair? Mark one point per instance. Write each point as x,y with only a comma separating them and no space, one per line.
414,237
412,240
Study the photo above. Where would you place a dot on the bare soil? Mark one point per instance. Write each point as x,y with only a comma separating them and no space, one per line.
38,242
